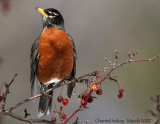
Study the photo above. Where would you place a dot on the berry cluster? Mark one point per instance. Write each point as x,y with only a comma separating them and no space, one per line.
87,96
120,95
64,101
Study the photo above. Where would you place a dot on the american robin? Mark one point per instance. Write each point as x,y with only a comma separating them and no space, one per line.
53,58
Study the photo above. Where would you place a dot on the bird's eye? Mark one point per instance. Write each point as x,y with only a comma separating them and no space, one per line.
48,12
51,13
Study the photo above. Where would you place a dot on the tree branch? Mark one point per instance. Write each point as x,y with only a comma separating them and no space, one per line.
84,79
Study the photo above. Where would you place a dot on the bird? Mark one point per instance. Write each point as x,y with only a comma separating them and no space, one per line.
52,59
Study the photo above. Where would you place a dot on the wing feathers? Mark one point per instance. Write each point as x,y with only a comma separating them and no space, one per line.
33,63
73,73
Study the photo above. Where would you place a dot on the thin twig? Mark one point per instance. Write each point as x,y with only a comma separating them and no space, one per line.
72,115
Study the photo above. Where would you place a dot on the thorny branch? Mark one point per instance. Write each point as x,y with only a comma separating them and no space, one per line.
85,79
157,114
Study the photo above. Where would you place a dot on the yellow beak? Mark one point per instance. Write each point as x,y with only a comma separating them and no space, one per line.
41,11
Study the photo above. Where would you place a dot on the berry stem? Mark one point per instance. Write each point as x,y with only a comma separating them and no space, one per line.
61,89
54,107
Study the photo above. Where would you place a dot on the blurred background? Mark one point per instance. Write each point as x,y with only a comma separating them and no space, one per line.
98,27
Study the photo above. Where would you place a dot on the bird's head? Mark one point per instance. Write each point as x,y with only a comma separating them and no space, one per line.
51,18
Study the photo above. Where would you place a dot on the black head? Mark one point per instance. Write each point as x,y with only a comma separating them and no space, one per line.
52,18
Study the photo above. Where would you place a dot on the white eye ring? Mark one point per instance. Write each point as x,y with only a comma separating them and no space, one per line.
52,16
49,12
55,14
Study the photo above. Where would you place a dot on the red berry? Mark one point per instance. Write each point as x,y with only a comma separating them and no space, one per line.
159,108
60,98
63,116
121,91
120,95
84,97
90,99
99,92
83,103
1,98
54,119
65,101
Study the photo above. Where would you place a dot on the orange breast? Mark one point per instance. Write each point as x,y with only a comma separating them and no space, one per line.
55,55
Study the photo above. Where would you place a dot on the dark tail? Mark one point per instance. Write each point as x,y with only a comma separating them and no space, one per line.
70,89
45,102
